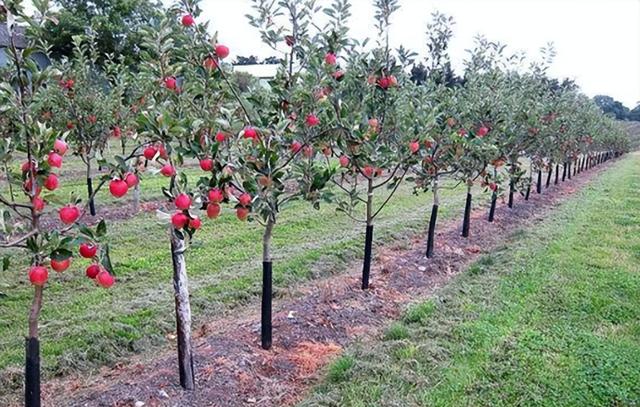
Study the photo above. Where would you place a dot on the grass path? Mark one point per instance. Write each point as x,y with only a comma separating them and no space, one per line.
549,320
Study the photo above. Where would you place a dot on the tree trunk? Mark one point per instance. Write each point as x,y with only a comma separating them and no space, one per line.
183,311
557,174
32,353
526,195
549,173
569,169
511,191
92,204
467,214
266,325
433,219
492,210
368,240
564,171
539,182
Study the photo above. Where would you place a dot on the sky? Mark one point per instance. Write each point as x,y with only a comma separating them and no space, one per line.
597,41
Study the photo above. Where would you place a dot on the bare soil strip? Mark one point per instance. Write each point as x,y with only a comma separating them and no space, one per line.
311,327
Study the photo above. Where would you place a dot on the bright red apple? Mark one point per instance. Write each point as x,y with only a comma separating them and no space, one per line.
220,137
368,171
93,270
344,161
150,152
216,195
69,214
206,164
118,188
414,146
183,202
51,182
296,146
170,83
213,210
54,160
60,146
167,170
131,179
330,58
245,199
250,132
88,250
222,51
187,20
105,279
195,223
60,265
38,275
179,220
242,213
312,120
482,131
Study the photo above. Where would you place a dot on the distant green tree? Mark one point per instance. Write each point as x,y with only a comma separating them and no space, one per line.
612,107
116,24
634,114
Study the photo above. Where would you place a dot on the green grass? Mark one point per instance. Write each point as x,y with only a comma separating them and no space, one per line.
551,319
84,327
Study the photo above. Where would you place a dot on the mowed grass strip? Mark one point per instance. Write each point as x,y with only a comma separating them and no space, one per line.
83,327
550,319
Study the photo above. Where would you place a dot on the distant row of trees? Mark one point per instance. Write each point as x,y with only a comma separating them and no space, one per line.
616,109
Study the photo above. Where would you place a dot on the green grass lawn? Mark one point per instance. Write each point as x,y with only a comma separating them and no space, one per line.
84,327
551,319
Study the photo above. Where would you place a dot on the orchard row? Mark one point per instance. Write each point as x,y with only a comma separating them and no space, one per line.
342,123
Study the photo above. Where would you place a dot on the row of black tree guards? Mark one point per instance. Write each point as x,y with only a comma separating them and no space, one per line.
569,169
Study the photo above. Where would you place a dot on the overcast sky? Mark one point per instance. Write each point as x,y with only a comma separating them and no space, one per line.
597,41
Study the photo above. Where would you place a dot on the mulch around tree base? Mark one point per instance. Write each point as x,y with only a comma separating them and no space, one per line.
310,328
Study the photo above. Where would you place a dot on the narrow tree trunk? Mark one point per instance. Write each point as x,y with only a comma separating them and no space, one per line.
549,173
368,240
492,210
467,213
32,353
569,169
564,171
92,204
575,168
539,182
433,219
511,191
183,311
266,324
557,174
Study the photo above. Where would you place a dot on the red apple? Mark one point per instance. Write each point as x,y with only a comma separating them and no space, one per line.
105,279
118,188
88,250
116,132
242,213
60,265
195,223
250,132
482,131
93,270
213,210
330,58
170,83
493,186
38,203
414,146
38,275
51,182
312,120
183,202
296,146
307,151
55,160
222,51
131,179
150,152
245,199
344,161
69,214
60,146
210,63
167,170
368,171
216,195
206,164
220,137
187,20
179,220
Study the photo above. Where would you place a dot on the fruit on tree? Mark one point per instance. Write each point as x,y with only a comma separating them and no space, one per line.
368,171
54,160
213,210
414,146
245,199
250,132
60,146
210,63
118,188
105,279
482,131
93,270
150,152
195,223
220,137
51,182
60,265
183,202
167,170
88,250
69,214
344,161
187,20
38,203
116,132
131,179
312,120
38,275
493,186
242,213
307,151
330,58
170,83
216,195
222,51
206,164
179,220
296,146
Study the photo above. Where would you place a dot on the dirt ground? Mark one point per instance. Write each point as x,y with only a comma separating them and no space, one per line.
310,328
